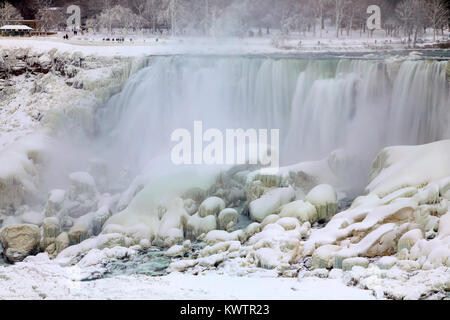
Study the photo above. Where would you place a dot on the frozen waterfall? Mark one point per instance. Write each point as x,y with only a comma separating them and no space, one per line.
319,105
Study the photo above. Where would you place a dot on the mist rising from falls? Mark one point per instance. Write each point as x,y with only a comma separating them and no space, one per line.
318,105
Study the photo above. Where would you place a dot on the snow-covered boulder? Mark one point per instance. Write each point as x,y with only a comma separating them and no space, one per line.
194,225
20,241
349,263
409,239
51,227
211,206
100,242
303,211
270,203
228,219
268,258
272,218
176,251
252,229
78,233
171,222
62,241
215,236
220,247
323,257
288,223
99,218
324,198
386,262
50,230
97,256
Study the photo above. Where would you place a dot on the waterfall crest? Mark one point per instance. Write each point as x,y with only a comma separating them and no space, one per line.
318,105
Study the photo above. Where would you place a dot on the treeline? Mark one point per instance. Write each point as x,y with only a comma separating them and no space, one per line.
237,17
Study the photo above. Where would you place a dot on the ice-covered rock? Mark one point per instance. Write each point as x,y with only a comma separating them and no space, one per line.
323,257
223,236
100,242
141,218
97,256
272,218
324,198
99,219
409,239
349,263
289,223
182,265
62,241
195,225
176,251
171,222
78,233
270,203
50,230
268,258
303,211
20,241
252,229
211,206
386,262
220,247
228,219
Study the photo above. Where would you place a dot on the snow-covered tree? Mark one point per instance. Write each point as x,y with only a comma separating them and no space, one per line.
117,17
8,12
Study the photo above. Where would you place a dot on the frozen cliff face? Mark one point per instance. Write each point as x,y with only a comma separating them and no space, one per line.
39,90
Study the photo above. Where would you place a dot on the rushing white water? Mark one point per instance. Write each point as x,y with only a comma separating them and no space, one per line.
318,105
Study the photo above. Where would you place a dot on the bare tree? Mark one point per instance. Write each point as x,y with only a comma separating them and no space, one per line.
339,6
44,14
118,17
437,13
318,10
405,13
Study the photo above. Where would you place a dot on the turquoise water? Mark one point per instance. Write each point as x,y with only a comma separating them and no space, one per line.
150,262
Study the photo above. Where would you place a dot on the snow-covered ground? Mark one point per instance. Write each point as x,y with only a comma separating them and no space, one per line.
40,278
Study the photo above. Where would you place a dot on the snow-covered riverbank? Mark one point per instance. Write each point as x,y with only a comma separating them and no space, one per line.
219,46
